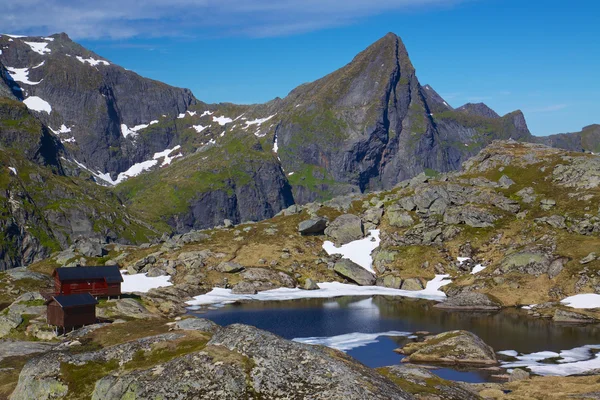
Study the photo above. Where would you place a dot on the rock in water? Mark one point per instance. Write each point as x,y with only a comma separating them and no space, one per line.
455,347
345,229
572,317
354,272
470,301
312,226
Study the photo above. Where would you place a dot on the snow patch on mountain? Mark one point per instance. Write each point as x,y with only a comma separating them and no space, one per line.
39,65
222,120
205,113
92,61
20,75
126,131
166,154
275,145
36,103
199,128
69,140
38,47
63,129
258,121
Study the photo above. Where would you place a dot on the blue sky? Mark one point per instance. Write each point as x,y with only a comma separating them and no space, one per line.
537,56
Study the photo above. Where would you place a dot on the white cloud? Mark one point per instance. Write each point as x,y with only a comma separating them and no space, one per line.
550,108
130,18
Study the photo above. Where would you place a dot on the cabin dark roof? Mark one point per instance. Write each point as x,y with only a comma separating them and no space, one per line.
74,300
111,274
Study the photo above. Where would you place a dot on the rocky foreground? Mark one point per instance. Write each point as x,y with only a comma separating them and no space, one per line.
517,227
195,358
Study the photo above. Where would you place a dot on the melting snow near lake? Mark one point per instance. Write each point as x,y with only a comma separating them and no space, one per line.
326,290
142,284
583,301
350,341
564,363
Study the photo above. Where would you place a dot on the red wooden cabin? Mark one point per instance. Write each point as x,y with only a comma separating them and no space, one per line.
71,311
97,281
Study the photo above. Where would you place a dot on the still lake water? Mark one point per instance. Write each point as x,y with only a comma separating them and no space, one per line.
327,318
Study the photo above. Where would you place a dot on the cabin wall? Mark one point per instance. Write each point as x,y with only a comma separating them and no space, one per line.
94,287
81,315
54,314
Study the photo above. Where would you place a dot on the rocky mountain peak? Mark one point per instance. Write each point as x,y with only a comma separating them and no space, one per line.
479,109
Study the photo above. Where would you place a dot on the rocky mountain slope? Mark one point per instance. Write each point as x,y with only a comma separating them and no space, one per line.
364,127
94,106
41,208
179,164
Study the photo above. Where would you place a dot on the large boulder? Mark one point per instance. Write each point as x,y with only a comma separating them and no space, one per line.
8,322
354,272
229,267
399,218
412,284
267,279
527,262
470,301
90,248
469,215
133,309
345,229
313,226
455,347
196,324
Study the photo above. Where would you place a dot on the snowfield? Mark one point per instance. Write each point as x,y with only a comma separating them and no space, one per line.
143,284
38,104
326,290
92,61
20,75
583,301
39,47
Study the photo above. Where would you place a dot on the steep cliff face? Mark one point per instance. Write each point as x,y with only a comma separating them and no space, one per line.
41,209
371,124
92,105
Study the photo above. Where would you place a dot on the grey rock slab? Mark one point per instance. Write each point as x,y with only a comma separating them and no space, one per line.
345,229
354,272
312,226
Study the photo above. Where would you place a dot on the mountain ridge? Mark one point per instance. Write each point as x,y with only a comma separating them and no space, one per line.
364,127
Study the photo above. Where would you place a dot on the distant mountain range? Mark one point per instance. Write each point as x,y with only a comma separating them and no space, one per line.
90,149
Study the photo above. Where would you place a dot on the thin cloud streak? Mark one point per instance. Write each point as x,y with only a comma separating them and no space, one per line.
551,108
121,19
